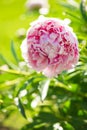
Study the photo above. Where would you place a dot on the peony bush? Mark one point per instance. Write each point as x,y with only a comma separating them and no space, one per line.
47,90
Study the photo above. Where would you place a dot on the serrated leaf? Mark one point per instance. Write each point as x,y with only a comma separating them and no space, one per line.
43,88
14,52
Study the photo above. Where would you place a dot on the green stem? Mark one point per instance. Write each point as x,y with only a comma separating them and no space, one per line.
15,72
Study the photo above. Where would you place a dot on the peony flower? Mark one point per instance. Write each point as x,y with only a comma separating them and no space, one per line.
50,47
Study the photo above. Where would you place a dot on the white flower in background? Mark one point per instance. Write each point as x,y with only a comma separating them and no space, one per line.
57,126
41,5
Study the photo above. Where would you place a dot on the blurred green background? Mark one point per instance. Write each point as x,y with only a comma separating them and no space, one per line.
13,16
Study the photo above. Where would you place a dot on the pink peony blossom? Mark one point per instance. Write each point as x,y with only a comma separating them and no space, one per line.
50,47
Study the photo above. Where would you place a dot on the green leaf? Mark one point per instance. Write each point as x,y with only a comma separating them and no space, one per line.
11,107
67,126
73,74
7,84
67,5
83,9
21,108
14,52
7,76
22,88
43,88
10,64
77,18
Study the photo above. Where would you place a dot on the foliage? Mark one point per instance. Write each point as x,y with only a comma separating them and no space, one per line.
48,104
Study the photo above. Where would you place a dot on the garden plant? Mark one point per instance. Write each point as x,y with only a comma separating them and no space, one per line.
43,77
